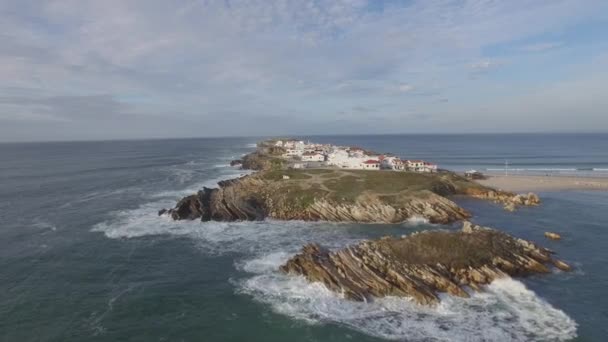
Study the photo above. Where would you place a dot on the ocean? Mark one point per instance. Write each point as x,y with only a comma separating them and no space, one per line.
84,256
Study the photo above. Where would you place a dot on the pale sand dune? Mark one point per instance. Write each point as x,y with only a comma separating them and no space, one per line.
518,183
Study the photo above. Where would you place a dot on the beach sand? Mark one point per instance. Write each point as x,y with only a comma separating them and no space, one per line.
518,183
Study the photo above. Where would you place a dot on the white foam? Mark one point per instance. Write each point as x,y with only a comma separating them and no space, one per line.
416,221
507,311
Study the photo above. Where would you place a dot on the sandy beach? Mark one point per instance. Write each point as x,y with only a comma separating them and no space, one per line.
518,183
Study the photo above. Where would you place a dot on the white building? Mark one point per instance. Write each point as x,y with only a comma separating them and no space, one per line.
371,164
313,156
291,152
341,158
415,165
429,167
421,166
392,163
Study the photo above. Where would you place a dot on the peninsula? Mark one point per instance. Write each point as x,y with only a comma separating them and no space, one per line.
312,182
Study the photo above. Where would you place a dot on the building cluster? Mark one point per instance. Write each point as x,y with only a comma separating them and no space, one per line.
348,157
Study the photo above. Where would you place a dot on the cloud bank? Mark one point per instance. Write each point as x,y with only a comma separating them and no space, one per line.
74,69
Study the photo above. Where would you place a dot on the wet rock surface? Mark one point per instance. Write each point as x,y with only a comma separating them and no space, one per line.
422,265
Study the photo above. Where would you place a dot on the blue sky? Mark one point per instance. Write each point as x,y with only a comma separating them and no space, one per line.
113,69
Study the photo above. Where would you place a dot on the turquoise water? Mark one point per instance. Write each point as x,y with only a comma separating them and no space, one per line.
84,257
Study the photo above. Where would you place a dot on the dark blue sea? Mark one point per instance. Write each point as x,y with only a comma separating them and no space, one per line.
84,256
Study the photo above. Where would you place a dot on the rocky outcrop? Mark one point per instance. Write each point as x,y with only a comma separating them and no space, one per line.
422,265
260,161
552,236
338,196
510,200
256,198
434,208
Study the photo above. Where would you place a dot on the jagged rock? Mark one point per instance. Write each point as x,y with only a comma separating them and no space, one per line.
422,265
236,162
254,198
552,236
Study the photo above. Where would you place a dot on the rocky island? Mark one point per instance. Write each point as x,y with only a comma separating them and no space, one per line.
423,264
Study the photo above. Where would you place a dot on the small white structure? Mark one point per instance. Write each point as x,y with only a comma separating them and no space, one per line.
285,177
313,156
278,143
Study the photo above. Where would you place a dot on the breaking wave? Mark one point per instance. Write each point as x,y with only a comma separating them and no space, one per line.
506,311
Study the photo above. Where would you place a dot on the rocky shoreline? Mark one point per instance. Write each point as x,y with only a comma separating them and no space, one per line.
339,196
422,265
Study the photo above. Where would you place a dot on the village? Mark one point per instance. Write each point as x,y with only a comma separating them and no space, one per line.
301,154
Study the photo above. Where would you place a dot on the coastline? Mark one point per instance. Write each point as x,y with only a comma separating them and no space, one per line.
520,183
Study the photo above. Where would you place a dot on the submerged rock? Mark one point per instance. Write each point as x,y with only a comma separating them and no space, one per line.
422,265
552,236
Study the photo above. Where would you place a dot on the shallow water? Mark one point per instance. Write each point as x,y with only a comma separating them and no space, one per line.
85,257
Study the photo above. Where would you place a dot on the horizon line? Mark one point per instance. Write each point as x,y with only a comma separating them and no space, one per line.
293,135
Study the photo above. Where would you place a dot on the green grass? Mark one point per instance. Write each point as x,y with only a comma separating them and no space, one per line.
304,185
380,182
301,198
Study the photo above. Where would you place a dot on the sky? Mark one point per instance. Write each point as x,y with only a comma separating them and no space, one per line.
121,69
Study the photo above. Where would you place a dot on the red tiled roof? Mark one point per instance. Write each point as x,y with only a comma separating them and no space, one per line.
371,162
